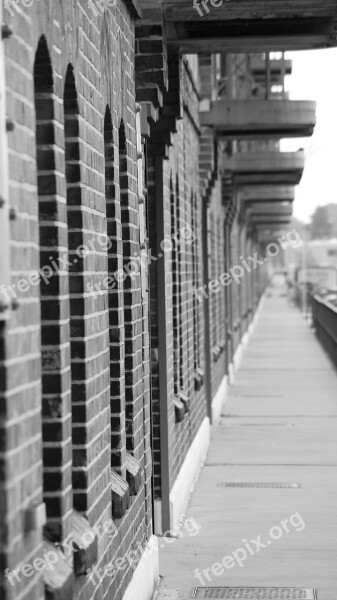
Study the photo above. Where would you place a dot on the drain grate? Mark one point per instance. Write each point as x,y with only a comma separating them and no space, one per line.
266,425
224,422
258,484
255,593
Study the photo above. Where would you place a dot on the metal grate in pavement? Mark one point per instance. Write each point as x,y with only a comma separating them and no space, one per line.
255,593
224,421
258,484
266,425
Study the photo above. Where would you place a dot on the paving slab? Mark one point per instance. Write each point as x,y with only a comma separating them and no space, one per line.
266,497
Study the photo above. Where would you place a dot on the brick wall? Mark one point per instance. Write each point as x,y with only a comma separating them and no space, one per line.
78,403
181,207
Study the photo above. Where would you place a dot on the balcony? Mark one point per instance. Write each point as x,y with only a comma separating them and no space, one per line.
267,210
266,194
270,222
248,26
266,168
277,70
260,119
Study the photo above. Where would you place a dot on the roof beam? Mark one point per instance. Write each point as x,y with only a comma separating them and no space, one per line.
245,26
248,10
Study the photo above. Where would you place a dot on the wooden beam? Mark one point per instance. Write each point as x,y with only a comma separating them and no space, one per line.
250,45
247,10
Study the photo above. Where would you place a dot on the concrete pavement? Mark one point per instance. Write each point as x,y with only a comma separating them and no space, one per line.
279,426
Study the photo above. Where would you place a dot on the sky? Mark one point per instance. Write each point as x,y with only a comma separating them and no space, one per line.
314,77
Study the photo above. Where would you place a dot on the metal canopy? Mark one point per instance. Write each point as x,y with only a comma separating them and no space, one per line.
272,168
250,25
235,119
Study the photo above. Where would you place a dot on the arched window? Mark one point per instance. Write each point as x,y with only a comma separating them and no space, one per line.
55,365
131,293
115,299
176,306
196,282
76,258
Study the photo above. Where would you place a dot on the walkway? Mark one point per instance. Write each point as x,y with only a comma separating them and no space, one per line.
279,425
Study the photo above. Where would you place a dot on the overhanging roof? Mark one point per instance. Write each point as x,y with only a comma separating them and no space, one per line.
267,193
249,25
235,119
272,168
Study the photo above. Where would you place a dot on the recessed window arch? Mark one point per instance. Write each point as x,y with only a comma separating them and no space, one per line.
131,292
115,303
55,364
77,293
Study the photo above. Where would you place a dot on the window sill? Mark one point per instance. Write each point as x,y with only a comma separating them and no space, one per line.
85,553
133,474
58,577
120,495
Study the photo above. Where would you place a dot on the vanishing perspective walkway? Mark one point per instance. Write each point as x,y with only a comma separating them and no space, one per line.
278,427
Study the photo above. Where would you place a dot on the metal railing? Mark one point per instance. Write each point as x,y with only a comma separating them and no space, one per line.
324,317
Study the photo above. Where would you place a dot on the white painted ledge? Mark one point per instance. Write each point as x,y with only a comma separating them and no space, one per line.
145,579
219,399
240,351
188,474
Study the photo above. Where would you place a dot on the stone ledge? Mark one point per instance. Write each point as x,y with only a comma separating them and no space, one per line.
120,495
216,352
133,474
185,400
58,576
85,551
179,410
198,379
